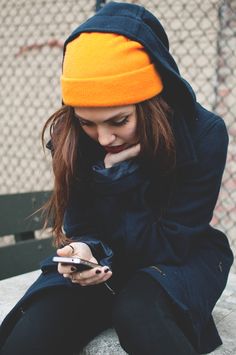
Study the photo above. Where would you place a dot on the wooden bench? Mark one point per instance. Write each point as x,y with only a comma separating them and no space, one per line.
16,219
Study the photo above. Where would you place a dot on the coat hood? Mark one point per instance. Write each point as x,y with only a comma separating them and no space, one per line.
138,24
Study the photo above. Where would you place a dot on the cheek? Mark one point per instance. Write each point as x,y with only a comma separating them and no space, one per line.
130,132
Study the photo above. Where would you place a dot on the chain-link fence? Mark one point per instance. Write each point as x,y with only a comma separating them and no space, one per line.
202,37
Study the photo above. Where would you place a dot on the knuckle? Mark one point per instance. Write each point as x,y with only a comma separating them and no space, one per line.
84,282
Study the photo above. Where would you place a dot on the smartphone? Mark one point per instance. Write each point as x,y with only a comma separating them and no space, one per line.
79,263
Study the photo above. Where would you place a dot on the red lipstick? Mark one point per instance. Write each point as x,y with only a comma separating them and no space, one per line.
115,149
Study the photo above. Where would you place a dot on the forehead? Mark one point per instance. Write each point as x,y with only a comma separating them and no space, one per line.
103,113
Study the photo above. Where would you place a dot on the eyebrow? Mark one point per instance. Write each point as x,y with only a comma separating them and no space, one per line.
118,115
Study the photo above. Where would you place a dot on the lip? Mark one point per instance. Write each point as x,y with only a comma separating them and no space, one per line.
115,149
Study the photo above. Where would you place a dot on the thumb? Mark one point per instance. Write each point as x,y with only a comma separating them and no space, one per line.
65,251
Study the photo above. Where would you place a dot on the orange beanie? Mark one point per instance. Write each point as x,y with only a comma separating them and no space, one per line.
107,69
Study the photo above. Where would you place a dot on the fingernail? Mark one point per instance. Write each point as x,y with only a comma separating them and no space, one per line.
73,268
98,271
106,270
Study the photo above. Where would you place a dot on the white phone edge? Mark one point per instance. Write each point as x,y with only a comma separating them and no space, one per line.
64,259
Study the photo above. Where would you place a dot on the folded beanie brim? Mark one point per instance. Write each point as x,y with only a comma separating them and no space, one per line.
114,90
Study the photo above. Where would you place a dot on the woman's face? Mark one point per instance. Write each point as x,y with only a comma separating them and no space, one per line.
115,128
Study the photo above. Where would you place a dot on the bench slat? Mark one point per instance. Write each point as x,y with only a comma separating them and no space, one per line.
24,256
16,209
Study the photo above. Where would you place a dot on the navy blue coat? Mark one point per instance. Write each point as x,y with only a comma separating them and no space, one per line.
134,218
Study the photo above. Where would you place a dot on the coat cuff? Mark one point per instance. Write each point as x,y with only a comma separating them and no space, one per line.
119,178
100,250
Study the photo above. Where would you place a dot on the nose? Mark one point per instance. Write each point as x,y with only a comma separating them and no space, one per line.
105,136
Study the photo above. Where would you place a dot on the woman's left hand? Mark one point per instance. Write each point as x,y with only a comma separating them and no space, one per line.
112,159
89,277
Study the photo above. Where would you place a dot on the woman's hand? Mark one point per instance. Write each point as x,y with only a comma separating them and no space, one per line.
84,278
111,159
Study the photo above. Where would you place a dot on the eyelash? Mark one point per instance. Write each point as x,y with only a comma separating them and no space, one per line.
121,123
117,124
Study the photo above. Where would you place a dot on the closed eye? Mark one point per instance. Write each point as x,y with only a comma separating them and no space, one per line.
111,123
85,123
120,123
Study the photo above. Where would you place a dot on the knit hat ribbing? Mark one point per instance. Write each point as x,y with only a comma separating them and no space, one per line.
107,69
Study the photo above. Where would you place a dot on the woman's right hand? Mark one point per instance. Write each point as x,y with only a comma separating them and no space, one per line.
112,159
84,278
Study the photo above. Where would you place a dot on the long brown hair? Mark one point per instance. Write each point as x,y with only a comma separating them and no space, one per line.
155,135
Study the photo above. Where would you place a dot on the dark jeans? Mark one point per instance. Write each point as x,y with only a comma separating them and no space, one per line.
60,321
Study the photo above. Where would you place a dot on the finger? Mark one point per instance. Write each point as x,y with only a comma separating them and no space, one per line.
95,278
130,152
95,281
85,277
68,250
134,149
65,268
125,154
76,277
102,279
73,277
66,275
97,274
87,274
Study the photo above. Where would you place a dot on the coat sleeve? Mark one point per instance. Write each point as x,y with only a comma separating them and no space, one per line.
78,223
79,220
187,217
168,237
78,226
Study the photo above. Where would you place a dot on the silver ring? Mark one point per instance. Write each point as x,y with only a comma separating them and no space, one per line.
73,249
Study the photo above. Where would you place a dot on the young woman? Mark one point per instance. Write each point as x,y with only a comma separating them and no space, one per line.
138,166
